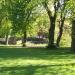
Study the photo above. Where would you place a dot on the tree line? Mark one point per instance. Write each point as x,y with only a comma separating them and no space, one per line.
18,16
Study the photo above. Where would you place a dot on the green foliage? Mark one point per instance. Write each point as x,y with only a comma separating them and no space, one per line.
29,16
65,42
5,27
41,23
23,14
5,23
71,8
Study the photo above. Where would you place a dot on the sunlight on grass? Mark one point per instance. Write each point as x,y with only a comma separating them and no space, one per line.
23,62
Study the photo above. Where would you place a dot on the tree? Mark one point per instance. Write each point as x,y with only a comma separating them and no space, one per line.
5,29
73,26
22,12
73,35
62,13
4,20
52,17
71,10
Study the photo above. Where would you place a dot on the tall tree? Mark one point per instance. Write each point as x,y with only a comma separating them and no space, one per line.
62,13
73,26
52,16
71,9
22,16
4,19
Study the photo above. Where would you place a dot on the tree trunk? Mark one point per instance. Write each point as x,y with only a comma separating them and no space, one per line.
73,36
7,39
51,33
24,39
61,25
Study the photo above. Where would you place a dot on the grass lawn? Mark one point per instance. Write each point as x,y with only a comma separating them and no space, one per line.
36,61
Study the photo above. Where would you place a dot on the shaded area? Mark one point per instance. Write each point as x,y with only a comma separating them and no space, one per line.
36,53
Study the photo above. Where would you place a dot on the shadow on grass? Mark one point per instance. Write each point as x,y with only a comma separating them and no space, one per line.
36,70
35,53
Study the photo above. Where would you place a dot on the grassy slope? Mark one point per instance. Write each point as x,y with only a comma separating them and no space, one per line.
20,61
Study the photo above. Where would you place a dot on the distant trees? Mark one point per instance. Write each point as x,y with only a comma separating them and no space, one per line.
5,29
20,15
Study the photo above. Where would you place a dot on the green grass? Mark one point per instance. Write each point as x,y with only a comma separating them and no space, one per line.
36,61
